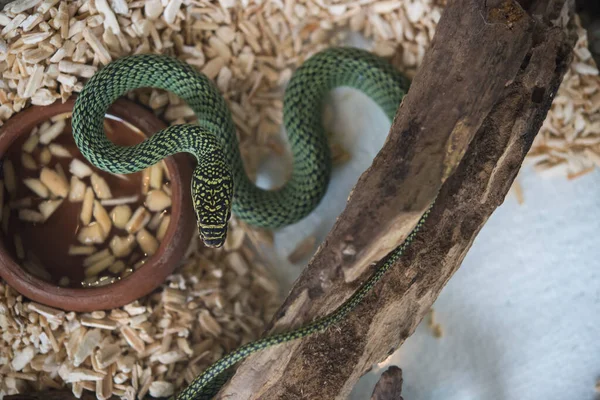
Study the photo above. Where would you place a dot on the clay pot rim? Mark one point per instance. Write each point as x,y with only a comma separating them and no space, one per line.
155,270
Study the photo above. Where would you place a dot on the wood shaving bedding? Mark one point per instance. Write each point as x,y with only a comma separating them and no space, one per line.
50,48
216,300
569,142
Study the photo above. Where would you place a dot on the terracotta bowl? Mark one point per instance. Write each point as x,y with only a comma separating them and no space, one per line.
151,274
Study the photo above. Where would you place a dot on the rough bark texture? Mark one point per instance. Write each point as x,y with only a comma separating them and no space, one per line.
389,386
483,91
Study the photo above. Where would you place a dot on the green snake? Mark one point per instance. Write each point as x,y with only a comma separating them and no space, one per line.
219,184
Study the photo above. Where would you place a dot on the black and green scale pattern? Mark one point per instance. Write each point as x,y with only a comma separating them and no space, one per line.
220,184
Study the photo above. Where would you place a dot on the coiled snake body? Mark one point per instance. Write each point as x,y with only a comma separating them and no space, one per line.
219,183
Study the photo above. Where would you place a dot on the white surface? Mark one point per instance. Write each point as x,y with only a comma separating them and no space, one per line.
521,317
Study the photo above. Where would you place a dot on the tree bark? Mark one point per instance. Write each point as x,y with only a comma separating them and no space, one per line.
471,114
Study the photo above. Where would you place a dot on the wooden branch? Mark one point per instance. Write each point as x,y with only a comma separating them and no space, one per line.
389,386
491,74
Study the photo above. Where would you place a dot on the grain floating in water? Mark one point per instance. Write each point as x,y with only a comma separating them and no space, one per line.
66,191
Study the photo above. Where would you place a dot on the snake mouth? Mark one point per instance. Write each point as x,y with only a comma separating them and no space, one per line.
213,236
213,243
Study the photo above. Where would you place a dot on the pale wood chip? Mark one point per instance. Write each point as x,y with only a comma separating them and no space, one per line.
157,200
91,339
212,68
83,374
120,7
31,216
28,161
156,176
22,358
153,9
48,207
45,156
162,228
100,324
87,207
81,250
110,20
338,154
118,267
77,190
120,215
98,47
138,220
79,168
237,263
58,150
585,69
98,267
19,6
43,97
235,239
4,19
54,182
133,339
155,221
161,389
94,258
13,24
122,246
302,250
147,242
77,69
170,357
91,234
32,377
209,324
34,82
36,186
120,200
171,10
100,187
102,217
31,143
48,135
10,178
46,311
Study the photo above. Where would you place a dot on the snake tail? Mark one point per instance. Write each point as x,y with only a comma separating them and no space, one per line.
220,185
208,384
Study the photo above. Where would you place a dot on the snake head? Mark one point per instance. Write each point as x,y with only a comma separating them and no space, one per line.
212,192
